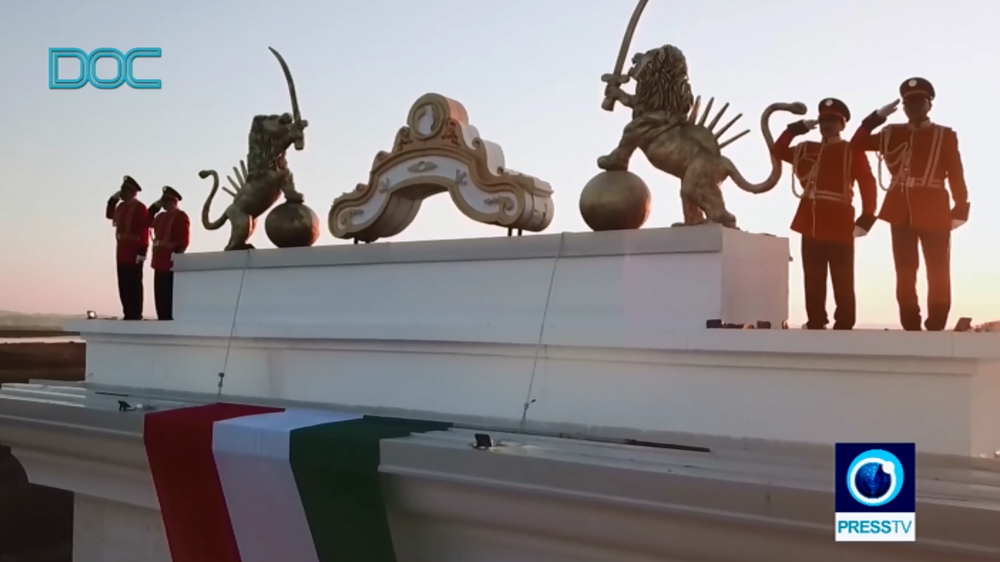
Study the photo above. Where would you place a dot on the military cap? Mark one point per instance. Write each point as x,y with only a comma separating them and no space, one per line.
833,106
129,182
916,87
171,192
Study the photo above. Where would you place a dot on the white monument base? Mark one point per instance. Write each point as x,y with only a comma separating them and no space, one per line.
451,330
629,283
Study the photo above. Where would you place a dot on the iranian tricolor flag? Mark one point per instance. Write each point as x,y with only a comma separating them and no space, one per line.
241,483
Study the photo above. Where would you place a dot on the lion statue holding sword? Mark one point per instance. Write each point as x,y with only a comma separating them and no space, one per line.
665,126
267,178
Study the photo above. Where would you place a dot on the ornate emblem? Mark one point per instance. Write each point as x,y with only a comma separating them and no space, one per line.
438,151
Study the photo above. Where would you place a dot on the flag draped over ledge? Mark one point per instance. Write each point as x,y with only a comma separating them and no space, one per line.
241,483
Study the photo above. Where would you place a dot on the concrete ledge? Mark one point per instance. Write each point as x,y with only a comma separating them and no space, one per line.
555,499
529,478
634,503
699,239
742,384
859,343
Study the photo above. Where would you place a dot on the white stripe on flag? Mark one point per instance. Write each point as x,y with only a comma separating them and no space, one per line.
252,456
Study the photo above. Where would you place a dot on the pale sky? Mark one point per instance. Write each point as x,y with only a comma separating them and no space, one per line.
528,71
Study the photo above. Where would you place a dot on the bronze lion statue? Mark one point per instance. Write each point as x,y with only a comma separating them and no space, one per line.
259,187
665,126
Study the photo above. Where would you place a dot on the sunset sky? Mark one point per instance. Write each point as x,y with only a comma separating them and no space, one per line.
528,71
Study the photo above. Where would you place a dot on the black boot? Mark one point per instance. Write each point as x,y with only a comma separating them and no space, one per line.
910,319
937,318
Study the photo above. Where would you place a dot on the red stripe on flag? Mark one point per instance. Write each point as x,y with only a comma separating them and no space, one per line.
179,449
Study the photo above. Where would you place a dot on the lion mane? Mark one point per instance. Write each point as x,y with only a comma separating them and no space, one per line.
662,83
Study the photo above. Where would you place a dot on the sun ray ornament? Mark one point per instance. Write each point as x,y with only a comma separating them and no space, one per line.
240,181
669,127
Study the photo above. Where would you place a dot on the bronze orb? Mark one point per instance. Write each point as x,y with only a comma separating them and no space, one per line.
291,225
617,200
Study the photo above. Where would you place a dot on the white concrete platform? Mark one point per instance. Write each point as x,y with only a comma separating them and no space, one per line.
939,390
600,333
494,289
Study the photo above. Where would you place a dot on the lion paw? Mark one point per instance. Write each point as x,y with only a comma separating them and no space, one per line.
611,164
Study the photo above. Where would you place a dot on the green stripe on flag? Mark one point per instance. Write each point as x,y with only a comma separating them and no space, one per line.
336,471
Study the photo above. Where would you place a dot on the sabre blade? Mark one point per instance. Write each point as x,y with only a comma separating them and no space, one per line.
291,85
623,51
627,40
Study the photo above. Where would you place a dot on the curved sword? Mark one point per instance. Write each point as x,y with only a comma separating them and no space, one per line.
616,77
291,86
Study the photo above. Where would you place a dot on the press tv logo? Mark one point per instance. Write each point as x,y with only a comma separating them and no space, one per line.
875,493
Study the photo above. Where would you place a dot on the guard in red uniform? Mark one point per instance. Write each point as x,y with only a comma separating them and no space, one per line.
171,235
131,221
920,155
827,171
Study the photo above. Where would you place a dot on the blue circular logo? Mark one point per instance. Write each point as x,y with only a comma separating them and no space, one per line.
875,477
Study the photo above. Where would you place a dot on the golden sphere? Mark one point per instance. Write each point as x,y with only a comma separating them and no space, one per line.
617,200
292,224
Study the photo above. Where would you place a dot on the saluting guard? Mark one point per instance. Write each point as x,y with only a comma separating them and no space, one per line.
920,156
827,171
171,235
131,221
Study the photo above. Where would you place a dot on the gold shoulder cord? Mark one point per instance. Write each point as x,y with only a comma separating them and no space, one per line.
890,159
810,182
848,177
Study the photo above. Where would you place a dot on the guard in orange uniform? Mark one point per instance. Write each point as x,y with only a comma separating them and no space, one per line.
131,221
827,171
171,235
920,155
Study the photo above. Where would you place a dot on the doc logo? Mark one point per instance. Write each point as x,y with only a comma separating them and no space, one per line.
875,492
124,62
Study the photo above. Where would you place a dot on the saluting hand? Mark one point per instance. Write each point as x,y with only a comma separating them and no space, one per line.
802,127
888,109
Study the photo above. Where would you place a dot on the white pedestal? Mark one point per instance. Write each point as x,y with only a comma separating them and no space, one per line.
629,282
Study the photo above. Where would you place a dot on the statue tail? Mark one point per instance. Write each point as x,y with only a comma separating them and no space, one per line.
205,221
798,108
